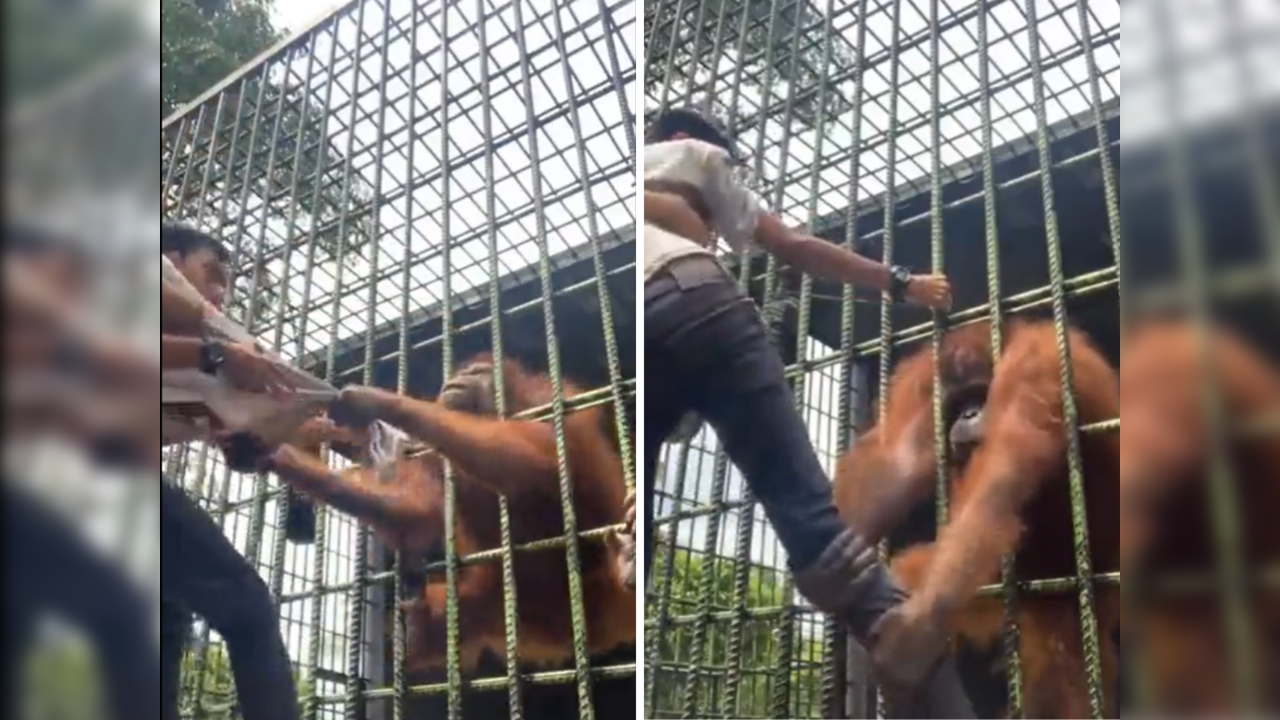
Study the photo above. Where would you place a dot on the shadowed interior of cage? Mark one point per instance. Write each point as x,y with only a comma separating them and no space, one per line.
919,133
406,185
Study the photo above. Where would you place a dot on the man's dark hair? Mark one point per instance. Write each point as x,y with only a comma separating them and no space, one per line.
184,240
696,125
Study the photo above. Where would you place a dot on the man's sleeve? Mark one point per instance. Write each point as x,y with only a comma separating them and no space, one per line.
734,208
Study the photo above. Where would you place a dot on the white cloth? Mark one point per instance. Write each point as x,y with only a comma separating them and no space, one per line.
189,398
734,208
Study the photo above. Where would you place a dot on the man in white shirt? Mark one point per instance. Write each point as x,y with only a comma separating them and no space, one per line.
201,570
707,351
50,568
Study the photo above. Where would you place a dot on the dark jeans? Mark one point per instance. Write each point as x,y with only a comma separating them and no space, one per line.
203,573
707,350
49,568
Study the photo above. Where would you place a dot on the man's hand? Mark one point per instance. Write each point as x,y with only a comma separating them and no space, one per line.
243,452
931,291
251,371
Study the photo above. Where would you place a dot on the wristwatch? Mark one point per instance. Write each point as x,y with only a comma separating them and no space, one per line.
899,279
212,355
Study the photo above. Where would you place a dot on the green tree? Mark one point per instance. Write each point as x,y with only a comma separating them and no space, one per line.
210,687
758,656
203,43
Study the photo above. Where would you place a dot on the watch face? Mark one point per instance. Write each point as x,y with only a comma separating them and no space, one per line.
213,356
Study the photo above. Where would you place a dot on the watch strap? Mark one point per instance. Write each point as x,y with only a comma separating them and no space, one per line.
899,278
212,355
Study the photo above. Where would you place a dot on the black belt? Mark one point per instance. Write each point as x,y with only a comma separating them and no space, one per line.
687,273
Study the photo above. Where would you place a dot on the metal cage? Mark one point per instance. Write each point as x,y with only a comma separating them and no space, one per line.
923,132
403,185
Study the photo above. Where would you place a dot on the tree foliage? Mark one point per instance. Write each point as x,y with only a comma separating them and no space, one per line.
758,659
209,688
277,179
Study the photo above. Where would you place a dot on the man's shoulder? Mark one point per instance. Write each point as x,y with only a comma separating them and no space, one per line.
682,148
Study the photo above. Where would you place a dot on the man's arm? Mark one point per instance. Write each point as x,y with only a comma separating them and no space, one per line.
240,363
180,314
61,337
820,258
740,220
671,213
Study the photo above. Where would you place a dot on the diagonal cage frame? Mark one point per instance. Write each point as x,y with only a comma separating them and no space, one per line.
904,130
403,185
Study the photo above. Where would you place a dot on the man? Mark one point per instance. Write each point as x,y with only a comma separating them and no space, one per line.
49,568
201,571
707,351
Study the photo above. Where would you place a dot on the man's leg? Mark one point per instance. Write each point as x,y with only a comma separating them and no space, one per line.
202,569
61,574
706,340
707,337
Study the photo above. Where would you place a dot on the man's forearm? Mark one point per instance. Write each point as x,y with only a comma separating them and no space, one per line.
180,353
180,314
828,261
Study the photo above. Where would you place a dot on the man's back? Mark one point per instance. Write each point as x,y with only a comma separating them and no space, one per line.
702,175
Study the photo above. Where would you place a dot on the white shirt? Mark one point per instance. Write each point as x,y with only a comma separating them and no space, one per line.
734,208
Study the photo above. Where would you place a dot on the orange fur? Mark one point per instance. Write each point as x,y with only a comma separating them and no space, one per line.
406,509
1166,524
1011,494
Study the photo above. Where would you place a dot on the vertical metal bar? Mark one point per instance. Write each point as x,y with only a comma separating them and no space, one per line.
237,255
452,639
1110,193
181,200
399,649
510,597
654,639
889,205
257,527
353,705
1223,501
581,668
360,600
937,256
842,642
1071,420
1012,635
706,589
282,305
311,693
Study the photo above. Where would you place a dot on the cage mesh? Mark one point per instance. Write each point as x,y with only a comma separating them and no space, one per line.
980,139
403,185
